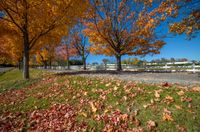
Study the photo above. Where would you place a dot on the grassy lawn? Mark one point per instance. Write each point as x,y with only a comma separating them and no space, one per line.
13,79
72,103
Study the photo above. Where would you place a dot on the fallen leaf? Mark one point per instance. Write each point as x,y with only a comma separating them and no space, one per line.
185,99
180,128
157,95
85,93
180,93
196,89
138,129
167,115
105,111
168,99
136,112
166,84
167,111
108,128
151,125
152,101
178,107
84,114
189,105
108,84
125,98
157,99
146,105
94,109
137,122
115,88
124,117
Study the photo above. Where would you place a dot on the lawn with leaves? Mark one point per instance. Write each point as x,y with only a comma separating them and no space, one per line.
74,103
13,79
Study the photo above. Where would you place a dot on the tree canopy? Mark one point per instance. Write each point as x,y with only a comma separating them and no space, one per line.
34,20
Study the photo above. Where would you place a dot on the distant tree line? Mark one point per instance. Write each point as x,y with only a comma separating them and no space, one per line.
163,60
136,61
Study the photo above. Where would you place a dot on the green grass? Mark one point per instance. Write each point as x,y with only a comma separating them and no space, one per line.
14,80
107,96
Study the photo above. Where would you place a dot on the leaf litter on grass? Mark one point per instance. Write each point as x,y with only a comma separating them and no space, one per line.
91,104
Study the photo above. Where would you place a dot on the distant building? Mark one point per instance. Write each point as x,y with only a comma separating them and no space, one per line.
168,63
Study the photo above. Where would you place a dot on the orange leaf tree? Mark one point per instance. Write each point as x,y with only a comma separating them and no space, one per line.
65,50
45,50
34,19
190,25
127,27
10,50
4,55
46,55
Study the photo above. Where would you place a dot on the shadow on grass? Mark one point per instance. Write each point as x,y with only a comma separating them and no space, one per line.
2,72
108,72
18,84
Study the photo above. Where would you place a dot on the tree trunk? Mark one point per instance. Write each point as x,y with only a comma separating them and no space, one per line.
67,48
45,64
26,59
68,67
119,66
105,66
50,64
84,63
19,64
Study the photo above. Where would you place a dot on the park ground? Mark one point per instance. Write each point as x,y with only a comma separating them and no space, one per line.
70,102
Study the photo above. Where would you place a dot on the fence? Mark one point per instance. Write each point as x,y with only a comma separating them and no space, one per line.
147,68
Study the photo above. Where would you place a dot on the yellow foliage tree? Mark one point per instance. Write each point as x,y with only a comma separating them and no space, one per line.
10,50
42,57
34,19
46,54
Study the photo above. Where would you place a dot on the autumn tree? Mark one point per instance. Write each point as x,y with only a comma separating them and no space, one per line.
4,55
34,19
2,51
46,55
79,43
62,53
8,50
105,61
131,61
42,57
3,48
51,55
127,27
189,23
11,51
65,50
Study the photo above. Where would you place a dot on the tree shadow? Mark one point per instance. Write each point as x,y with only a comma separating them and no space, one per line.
112,72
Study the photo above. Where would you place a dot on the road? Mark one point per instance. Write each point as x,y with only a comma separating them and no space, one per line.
3,69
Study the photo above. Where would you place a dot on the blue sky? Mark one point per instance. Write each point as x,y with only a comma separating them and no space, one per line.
176,47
